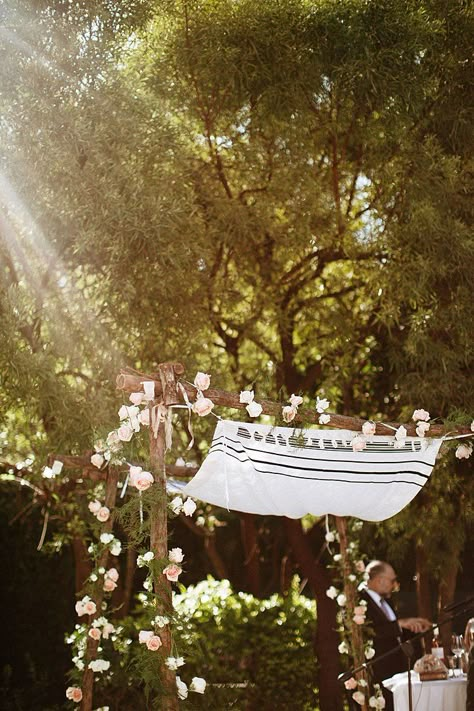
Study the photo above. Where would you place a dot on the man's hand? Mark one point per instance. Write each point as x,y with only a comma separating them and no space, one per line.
415,624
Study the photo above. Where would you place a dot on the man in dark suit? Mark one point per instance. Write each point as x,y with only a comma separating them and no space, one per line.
388,630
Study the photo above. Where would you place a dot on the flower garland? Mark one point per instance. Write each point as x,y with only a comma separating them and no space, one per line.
351,617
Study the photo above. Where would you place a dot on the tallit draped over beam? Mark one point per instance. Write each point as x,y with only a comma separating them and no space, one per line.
281,471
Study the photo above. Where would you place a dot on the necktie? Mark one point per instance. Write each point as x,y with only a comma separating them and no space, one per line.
387,609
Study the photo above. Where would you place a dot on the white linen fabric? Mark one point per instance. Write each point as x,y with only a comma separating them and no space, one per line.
287,472
440,695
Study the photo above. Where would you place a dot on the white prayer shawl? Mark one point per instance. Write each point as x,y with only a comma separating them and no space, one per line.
287,472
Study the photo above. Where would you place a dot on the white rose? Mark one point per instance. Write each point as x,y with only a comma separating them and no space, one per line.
330,536
296,400
368,428
343,648
182,688
422,428
324,419
421,415
332,592
254,409
321,404
189,507
198,685
106,537
401,433
176,504
369,653
464,451
341,600
176,555
246,396
97,460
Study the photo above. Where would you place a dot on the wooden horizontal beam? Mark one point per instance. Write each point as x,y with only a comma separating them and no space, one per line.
132,382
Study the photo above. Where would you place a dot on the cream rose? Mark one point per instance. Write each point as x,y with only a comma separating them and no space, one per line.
103,514
153,643
202,381
421,415
203,406
172,572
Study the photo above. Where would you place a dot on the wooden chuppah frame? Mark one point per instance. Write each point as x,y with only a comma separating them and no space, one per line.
168,393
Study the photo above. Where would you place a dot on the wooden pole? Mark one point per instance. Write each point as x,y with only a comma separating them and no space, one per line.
159,538
98,596
132,382
355,630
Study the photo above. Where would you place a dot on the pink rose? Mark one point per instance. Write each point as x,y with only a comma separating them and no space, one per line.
103,514
97,460
94,506
175,555
360,566
360,610
144,636
79,607
109,585
144,418
295,400
141,480
350,683
203,406
108,629
202,381
113,574
153,643
368,428
136,398
74,693
359,619
421,415
172,572
288,412
90,607
358,697
95,633
125,433
359,443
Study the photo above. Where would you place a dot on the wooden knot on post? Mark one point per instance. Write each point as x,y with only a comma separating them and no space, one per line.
169,391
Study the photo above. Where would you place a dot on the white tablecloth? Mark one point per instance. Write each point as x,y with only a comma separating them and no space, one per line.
441,695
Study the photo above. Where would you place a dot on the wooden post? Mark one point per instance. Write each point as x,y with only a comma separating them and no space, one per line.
98,596
350,593
159,534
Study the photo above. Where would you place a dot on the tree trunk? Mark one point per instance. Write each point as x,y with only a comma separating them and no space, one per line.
423,583
326,638
251,551
447,588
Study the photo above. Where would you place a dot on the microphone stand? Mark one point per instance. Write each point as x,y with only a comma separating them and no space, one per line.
456,610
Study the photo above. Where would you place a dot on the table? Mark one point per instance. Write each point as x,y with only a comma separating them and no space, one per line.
441,695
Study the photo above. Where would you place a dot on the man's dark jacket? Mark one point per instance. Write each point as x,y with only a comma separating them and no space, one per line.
387,636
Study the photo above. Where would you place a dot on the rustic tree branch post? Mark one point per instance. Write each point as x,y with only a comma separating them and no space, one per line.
159,528
350,593
92,644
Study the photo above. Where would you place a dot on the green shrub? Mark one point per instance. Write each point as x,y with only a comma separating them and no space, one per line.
264,647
